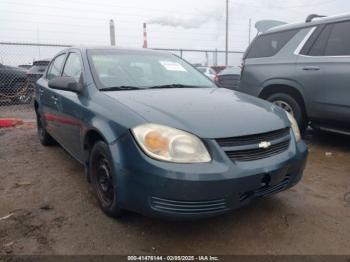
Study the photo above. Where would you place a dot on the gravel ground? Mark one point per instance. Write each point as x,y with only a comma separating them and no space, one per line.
47,207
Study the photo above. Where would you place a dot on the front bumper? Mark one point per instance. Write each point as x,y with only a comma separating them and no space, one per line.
192,191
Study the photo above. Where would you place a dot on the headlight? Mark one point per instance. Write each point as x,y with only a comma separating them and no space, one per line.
170,144
295,127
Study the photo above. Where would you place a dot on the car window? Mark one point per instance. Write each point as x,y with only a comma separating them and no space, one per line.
202,69
55,67
114,68
318,47
73,66
339,40
268,45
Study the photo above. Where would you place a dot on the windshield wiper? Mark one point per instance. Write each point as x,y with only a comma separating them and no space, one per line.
118,88
171,86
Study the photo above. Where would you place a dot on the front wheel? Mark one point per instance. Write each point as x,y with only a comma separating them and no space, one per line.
103,179
292,106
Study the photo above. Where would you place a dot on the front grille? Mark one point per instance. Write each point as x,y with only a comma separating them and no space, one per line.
247,148
253,139
255,154
188,207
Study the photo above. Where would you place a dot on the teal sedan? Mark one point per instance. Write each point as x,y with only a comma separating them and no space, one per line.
157,137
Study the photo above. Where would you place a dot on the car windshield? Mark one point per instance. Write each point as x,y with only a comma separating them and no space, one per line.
124,69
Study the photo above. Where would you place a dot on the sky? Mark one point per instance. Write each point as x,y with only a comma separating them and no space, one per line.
191,24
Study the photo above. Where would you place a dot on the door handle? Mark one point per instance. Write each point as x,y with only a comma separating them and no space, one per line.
311,68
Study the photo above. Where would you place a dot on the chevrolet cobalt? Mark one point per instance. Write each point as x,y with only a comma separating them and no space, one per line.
159,138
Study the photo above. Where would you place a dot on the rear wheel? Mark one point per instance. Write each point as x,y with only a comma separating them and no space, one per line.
103,179
292,106
44,137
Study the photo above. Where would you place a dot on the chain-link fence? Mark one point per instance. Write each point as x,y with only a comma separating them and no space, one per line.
22,64
207,57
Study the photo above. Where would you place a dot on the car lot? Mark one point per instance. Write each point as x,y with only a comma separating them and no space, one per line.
46,207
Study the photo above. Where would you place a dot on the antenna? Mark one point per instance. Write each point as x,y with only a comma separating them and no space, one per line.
145,42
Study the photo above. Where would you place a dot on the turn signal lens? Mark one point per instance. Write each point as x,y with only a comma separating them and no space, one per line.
156,143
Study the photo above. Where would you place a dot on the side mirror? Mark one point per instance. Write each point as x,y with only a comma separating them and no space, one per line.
66,83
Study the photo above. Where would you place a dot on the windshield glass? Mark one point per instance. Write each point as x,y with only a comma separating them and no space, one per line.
140,69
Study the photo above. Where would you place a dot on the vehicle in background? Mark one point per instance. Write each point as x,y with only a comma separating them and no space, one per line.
229,78
13,86
157,137
37,70
218,69
305,69
207,71
24,67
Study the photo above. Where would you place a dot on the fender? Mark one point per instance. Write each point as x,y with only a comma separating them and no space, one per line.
286,82
105,129
283,81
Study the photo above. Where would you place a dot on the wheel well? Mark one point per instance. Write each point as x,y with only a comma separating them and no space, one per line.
36,106
91,138
274,89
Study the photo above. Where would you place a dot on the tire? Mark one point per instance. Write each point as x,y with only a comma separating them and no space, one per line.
44,137
292,106
103,179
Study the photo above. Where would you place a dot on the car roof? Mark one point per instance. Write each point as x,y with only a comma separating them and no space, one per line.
317,21
111,48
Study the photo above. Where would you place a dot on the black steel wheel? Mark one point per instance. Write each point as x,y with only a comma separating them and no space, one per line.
103,179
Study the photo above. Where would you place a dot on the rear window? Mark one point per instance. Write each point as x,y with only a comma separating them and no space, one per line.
268,45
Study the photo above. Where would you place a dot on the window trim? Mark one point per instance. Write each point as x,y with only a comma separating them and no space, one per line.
81,62
304,41
307,37
53,60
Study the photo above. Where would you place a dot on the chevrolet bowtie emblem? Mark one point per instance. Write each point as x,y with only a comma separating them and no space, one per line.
264,144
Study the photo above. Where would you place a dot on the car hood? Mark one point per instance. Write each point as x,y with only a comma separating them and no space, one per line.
206,112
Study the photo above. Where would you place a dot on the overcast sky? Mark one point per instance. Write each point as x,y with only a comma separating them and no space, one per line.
191,23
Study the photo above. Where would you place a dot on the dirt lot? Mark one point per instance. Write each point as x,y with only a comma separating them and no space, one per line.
53,211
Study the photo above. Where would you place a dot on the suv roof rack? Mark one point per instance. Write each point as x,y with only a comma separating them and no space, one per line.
311,17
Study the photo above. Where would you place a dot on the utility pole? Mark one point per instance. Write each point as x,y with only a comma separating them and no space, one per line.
226,49
112,32
250,30
145,41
